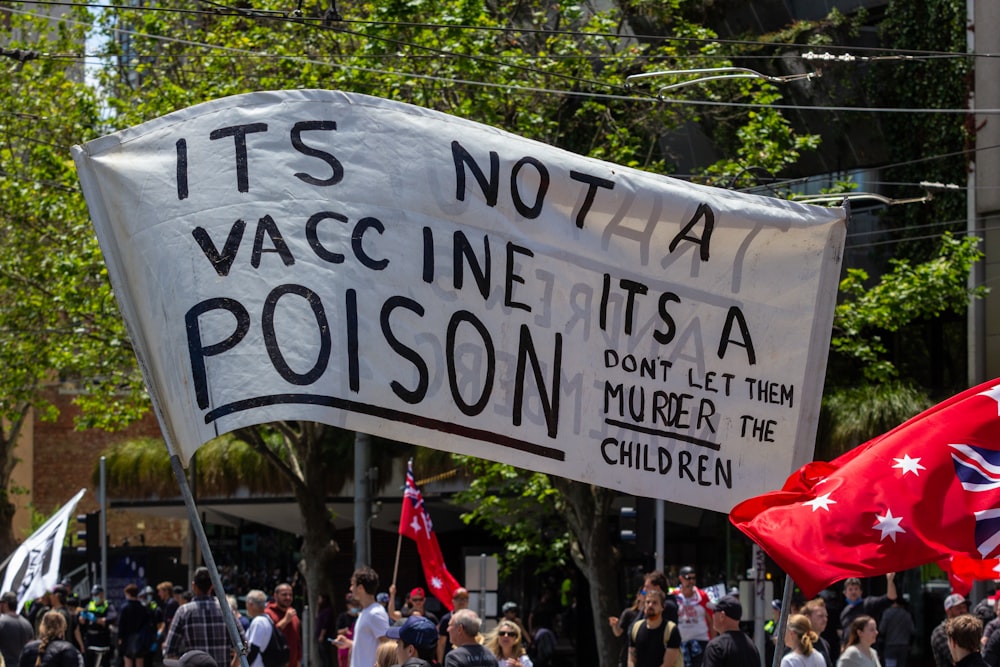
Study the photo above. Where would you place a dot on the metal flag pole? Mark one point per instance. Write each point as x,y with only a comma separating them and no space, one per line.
779,631
206,553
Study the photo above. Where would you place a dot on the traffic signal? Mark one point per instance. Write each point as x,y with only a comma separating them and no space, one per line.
90,535
627,524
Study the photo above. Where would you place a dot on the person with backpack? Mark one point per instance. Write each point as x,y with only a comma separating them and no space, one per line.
286,619
654,641
267,644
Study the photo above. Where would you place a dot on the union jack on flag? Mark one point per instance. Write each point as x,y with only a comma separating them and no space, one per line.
978,470
421,519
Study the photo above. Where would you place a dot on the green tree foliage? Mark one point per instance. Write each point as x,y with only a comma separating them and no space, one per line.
521,508
853,415
924,83
58,319
910,292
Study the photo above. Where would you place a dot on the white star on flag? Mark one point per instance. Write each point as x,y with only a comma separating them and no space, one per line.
907,464
436,583
415,525
888,524
994,393
821,501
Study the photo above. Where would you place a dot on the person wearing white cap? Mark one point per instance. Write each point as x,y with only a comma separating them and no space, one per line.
954,605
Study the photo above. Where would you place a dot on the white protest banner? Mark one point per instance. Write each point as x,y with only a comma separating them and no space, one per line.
34,567
334,257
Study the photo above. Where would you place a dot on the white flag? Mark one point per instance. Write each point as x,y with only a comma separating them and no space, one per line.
333,257
34,568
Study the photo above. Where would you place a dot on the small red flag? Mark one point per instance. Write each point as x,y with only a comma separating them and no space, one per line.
925,491
415,523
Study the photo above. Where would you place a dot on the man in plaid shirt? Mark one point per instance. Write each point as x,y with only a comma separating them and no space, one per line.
199,624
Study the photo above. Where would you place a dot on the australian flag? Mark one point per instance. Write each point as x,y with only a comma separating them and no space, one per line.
978,470
415,523
909,497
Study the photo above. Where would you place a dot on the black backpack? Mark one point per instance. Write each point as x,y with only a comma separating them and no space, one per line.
276,653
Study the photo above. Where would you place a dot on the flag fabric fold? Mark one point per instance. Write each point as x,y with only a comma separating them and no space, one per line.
415,523
926,491
34,567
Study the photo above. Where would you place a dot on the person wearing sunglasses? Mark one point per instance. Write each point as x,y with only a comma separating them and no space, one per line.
694,617
418,601
505,643
415,603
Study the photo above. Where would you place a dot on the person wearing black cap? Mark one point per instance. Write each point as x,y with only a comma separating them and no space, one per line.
731,647
416,644
193,658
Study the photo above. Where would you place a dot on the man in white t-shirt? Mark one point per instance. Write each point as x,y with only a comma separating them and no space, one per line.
694,619
373,621
259,632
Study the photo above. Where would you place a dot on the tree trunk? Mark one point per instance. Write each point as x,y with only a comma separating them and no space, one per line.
307,473
318,546
587,513
7,541
10,431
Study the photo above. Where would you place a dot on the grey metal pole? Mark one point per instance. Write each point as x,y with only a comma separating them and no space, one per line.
308,643
102,500
206,553
779,631
660,518
192,541
362,499
482,586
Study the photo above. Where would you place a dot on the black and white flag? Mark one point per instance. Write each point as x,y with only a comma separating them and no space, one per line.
34,567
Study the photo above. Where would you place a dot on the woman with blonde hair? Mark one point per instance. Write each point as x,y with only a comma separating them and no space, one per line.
51,649
385,654
800,638
505,643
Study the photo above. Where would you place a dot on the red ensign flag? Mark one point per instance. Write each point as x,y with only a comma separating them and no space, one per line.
415,523
925,491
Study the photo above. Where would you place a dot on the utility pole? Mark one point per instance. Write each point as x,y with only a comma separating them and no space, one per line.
984,178
362,499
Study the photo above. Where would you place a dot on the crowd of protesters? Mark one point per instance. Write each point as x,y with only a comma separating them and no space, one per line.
175,626
671,623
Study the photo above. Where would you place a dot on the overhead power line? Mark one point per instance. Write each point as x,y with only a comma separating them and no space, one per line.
292,17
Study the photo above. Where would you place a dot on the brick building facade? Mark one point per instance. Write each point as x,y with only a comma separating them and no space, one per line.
62,460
